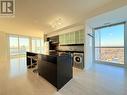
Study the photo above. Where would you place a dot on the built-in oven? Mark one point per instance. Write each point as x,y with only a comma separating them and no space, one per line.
53,44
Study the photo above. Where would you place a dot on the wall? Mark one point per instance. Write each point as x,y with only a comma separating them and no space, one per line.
22,31
72,48
125,43
111,17
88,47
3,47
67,30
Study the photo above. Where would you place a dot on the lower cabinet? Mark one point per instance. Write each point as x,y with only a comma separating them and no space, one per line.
56,69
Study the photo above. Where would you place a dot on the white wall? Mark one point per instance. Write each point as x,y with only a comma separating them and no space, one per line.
72,29
125,43
111,17
88,47
22,31
3,47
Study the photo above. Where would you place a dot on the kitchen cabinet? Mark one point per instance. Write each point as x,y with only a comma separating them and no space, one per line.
66,38
62,39
72,37
63,36
81,35
56,69
76,37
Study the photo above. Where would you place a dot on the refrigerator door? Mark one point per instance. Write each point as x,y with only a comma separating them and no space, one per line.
46,48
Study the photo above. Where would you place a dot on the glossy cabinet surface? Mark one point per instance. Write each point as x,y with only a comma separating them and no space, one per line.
76,37
56,69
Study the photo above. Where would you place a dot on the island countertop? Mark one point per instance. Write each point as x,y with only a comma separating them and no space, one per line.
57,69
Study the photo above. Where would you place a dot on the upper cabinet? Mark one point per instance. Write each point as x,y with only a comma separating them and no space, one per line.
72,37
81,35
76,37
61,39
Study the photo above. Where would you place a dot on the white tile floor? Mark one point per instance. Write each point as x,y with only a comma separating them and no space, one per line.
15,79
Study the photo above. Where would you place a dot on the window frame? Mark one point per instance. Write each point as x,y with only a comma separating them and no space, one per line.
105,62
41,44
22,36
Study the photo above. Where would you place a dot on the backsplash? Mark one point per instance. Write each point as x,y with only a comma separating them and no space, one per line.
71,48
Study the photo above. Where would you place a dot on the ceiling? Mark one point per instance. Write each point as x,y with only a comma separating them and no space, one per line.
48,16
112,17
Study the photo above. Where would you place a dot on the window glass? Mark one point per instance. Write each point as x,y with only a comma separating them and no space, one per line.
109,44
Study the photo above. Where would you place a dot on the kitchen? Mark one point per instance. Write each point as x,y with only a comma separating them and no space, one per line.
66,50
72,42
54,48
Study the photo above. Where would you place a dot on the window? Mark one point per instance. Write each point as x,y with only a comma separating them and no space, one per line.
23,46
37,45
18,46
109,44
13,40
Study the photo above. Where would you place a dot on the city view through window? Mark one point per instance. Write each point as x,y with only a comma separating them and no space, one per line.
109,44
20,45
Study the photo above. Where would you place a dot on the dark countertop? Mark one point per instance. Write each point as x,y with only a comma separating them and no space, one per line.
56,69
34,53
70,51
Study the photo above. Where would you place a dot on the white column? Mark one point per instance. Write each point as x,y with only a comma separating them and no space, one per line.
88,48
4,47
125,44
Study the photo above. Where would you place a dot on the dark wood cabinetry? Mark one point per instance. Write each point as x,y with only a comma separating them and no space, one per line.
53,42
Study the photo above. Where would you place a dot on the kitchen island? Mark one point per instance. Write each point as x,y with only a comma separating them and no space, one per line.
56,69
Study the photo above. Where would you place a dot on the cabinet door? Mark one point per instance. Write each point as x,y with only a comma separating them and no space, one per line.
77,34
60,39
67,38
81,36
63,39
71,37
